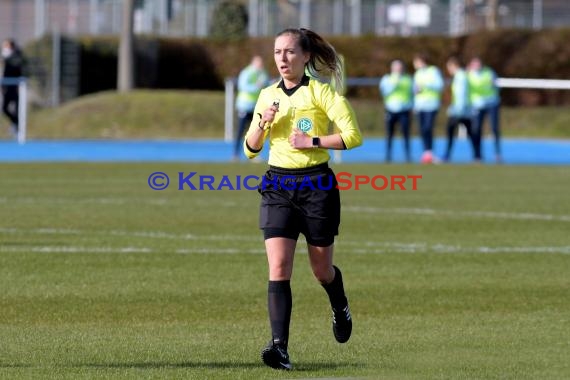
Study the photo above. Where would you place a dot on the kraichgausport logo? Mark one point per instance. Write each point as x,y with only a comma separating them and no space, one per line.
342,181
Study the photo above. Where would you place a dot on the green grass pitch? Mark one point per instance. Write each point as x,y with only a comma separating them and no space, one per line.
102,277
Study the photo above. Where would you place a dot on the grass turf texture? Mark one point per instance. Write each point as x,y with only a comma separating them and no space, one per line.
145,114
101,277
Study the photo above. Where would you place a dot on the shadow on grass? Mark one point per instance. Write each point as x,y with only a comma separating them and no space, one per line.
16,365
297,366
323,366
146,365
153,365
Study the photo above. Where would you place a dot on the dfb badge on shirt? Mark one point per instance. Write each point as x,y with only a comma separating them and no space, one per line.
305,124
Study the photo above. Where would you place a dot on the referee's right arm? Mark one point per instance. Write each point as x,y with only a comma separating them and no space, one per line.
258,131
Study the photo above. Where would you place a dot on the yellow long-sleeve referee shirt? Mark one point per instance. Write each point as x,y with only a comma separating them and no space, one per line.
310,107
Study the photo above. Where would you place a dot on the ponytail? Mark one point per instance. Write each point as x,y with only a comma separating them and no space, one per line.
324,62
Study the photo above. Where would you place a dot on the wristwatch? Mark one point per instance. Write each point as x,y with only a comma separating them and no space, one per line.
316,142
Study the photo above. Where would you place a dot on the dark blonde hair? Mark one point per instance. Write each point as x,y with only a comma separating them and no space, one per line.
11,42
424,57
455,60
324,62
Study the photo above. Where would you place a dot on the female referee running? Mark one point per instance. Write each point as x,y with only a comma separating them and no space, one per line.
296,192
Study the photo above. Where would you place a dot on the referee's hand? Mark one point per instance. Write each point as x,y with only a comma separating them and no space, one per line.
300,140
269,114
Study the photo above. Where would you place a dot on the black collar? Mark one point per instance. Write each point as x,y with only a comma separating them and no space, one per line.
290,91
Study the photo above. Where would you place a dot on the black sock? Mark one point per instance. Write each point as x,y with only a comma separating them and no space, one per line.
279,303
335,291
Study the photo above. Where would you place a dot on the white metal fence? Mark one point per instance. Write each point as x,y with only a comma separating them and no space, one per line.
28,19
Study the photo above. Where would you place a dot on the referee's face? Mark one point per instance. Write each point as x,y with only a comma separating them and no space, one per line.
290,58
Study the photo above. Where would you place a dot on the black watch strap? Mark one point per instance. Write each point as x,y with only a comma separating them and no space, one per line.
316,142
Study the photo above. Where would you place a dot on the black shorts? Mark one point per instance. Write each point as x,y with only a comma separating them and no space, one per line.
295,201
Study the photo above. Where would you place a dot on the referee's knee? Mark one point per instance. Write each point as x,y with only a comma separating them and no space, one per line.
324,275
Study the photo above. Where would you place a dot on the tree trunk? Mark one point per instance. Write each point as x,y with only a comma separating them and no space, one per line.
492,12
125,78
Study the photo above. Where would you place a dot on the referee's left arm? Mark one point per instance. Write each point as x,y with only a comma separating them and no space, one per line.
340,112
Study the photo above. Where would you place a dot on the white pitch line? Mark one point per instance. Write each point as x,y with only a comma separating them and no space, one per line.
356,246
30,200
136,234
364,247
145,250
102,201
74,249
40,231
98,201
227,251
478,214
441,248
563,250
437,248
170,236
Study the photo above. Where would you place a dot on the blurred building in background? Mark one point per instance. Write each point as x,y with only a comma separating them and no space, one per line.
25,20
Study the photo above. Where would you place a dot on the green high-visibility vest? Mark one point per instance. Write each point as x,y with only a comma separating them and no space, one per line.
481,85
250,97
423,77
402,94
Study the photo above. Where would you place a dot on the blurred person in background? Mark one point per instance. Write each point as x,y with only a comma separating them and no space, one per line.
428,86
250,82
13,62
485,100
460,110
397,90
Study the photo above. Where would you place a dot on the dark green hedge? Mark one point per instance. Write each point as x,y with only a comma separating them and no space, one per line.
159,63
203,64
